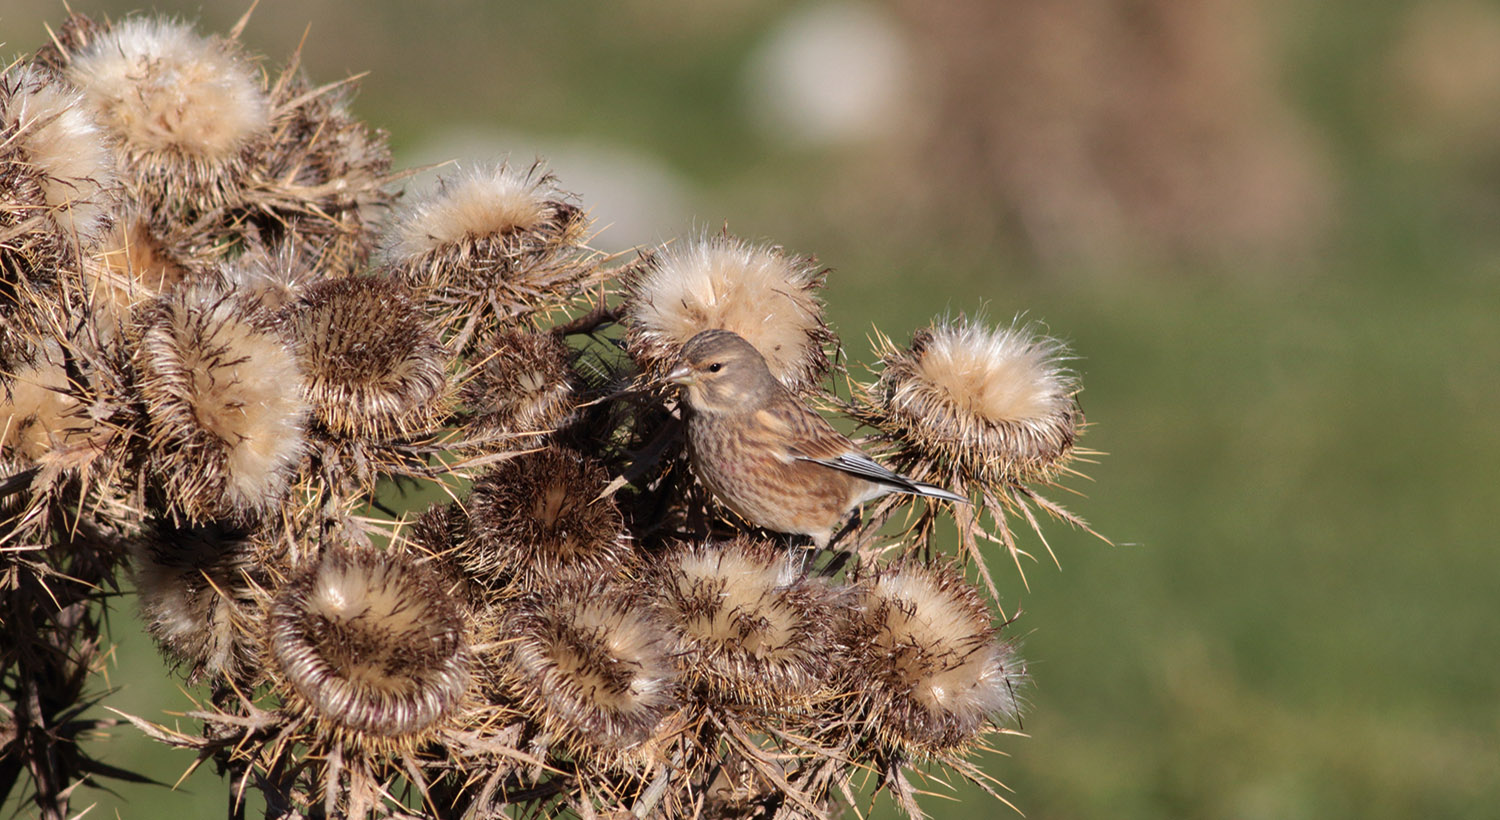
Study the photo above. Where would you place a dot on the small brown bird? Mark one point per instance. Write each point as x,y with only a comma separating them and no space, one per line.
764,454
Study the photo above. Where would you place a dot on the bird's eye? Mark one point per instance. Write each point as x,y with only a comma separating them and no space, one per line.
716,367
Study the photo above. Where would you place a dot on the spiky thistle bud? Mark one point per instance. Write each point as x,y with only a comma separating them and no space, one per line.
374,367
224,402
720,281
592,665
926,662
995,406
197,599
524,389
54,161
369,646
538,517
185,110
754,629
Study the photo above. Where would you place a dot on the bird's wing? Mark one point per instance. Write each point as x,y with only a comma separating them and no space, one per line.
867,468
798,433
807,436
863,466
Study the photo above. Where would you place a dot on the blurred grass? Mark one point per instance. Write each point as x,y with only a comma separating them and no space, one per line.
1298,619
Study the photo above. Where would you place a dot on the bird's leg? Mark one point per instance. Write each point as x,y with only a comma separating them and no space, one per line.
849,526
841,556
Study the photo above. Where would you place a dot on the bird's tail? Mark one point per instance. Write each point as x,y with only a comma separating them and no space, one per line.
933,491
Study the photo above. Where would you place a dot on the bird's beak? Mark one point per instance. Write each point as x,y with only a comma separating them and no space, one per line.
682,375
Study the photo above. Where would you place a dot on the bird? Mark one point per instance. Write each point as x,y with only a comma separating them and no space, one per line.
766,455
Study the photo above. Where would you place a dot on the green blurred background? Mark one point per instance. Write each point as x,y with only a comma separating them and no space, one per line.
1268,231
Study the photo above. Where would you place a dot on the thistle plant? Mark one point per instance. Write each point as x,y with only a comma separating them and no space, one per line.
225,353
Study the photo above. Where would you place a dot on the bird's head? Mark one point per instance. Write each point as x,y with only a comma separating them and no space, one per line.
720,372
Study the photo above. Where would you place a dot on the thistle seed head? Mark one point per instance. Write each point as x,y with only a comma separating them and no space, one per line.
538,518
368,645
374,367
482,222
526,387
723,282
39,413
272,276
926,658
54,160
592,665
998,405
754,629
198,599
224,403
185,110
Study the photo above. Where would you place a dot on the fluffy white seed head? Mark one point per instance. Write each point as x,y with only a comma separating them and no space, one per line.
1005,375
722,282
370,645
178,103
224,397
197,599
928,661
753,629
39,413
998,404
475,206
52,135
592,664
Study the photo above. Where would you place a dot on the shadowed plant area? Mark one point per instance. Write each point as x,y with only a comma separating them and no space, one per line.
383,493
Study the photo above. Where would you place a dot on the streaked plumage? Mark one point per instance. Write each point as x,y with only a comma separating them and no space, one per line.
764,454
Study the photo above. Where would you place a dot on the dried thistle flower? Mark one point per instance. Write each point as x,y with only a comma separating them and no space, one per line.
274,276
129,267
995,406
369,646
720,281
538,517
317,185
40,413
754,629
926,661
54,160
482,224
374,367
197,598
490,246
525,388
985,411
224,401
184,109
591,664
